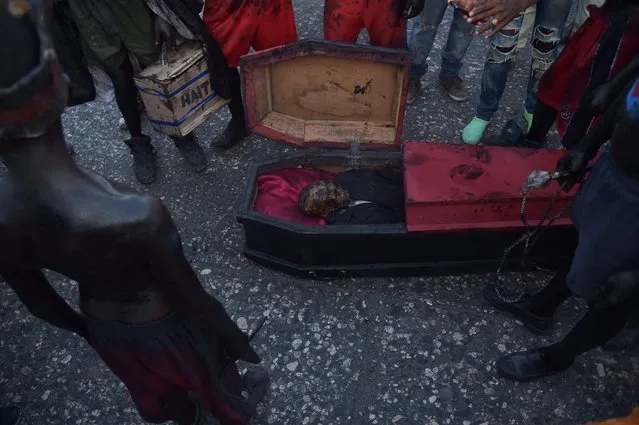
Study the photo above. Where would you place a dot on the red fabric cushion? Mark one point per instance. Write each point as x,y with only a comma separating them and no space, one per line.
278,193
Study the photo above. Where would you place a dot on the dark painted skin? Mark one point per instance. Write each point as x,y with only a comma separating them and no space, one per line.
121,246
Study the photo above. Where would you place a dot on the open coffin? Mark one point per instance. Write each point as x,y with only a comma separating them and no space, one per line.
343,105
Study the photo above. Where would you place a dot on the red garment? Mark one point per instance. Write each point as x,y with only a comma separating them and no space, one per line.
238,25
579,67
278,194
344,19
161,362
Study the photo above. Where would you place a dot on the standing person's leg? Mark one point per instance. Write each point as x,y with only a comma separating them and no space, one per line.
385,25
550,20
101,42
502,49
460,36
233,29
343,20
526,27
136,28
422,38
252,25
597,327
534,311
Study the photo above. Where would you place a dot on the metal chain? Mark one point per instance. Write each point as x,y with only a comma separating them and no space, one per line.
529,239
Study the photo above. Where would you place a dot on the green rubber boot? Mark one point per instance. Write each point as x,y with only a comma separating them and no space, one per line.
474,131
529,119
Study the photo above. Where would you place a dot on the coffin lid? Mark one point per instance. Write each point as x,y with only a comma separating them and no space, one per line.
463,187
321,93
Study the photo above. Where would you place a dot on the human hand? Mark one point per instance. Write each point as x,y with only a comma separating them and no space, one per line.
239,348
463,5
164,32
570,168
493,15
414,8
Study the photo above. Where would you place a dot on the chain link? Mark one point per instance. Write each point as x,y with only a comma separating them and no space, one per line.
530,237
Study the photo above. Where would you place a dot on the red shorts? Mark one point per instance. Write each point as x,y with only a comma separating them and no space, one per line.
161,362
239,25
344,19
596,52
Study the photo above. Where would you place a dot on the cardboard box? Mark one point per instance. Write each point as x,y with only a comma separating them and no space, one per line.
176,90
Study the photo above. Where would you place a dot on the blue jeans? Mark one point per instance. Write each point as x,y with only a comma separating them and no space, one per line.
423,34
547,31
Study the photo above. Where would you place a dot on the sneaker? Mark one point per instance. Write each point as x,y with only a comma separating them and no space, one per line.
454,86
192,152
414,90
234,133
144,160
528,117
474,131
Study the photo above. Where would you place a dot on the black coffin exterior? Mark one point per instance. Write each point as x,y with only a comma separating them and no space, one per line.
381,250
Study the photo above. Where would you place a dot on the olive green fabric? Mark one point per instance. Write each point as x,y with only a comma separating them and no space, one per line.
110,29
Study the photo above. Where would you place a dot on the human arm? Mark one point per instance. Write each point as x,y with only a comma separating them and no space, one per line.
572,166
37,294
182,286
605,94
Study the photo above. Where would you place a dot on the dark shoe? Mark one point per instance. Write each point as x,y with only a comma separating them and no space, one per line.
10,415
454,86
144,161
512,135
538,325
530,365
192,152
256,382
627,339
414,90
234,133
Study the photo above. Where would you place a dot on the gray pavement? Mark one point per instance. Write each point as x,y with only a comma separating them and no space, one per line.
359,351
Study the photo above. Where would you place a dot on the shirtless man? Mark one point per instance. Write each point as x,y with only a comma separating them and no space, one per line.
142,307
604,269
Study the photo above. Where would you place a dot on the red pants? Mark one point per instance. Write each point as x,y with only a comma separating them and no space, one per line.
161,362
239,25
596,52
344,19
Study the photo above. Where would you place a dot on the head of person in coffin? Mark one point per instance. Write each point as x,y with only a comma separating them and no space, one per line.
320,198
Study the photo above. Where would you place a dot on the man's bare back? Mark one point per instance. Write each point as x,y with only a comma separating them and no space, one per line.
91,230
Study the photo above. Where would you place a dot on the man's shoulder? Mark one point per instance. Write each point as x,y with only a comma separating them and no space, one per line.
139,212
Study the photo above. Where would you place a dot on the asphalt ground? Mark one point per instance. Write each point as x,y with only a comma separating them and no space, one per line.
356,351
